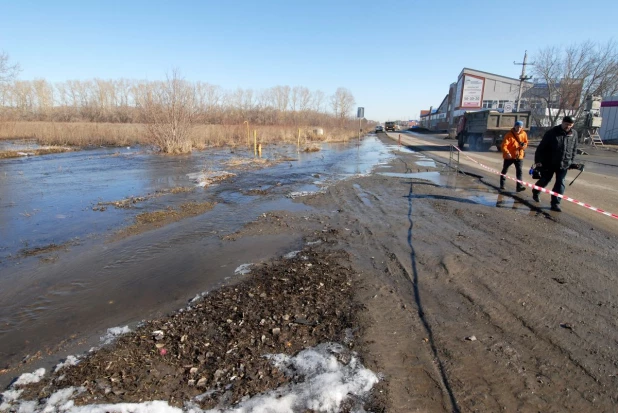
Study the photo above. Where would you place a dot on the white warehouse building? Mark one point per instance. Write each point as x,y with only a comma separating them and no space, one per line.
474,90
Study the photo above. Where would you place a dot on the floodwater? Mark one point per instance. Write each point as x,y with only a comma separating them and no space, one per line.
90,282
64,298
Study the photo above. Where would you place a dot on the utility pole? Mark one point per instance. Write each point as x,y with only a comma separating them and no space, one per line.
523,76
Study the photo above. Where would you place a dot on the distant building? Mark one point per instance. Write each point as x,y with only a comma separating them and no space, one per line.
477,90
474,90
545,102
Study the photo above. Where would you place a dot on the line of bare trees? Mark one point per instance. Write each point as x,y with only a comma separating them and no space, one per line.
569,74
119,101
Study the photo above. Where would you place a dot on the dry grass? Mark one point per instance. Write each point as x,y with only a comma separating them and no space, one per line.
312,148
248,163
130,202
202,136
156,219
74,133
33,152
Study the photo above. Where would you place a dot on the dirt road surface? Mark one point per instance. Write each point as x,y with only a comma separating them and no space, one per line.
471,301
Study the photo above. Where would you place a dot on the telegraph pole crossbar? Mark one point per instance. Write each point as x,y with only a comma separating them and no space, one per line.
523,77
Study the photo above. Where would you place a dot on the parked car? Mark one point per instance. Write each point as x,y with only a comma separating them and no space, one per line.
379,128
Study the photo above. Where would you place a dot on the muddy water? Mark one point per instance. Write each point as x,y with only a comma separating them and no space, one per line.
88,282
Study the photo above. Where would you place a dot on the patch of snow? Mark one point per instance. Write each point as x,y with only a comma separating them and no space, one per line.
204,179
28,378
291,254
243,269
70,361
323,384
113,333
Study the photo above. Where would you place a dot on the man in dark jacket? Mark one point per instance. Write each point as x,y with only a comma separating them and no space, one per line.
554,156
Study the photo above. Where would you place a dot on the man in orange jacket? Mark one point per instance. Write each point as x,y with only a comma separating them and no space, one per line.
513,145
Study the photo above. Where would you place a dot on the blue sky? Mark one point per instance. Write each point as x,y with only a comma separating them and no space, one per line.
397,57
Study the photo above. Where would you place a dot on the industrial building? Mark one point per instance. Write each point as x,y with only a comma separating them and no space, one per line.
474,90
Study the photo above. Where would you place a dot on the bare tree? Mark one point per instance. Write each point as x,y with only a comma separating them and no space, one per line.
342,102
282,97
304,98
8,71
318,101
169,111
569,75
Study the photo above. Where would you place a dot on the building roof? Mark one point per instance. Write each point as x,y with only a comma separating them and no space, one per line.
487,73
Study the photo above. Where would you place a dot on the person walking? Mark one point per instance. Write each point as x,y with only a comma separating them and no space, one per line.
513,145
554,156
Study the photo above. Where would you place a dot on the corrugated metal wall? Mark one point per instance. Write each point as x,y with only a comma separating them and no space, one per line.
609,113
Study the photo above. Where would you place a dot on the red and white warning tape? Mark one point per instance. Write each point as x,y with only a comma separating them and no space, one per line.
538,188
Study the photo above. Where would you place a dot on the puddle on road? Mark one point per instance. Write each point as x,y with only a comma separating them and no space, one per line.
503,201
434,177
467,190
428,163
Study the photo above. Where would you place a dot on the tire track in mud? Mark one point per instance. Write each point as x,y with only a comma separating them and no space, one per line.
499,313
374,228
413,278
421,313
491,272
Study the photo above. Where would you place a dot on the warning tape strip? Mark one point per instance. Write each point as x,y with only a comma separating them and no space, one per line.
541,189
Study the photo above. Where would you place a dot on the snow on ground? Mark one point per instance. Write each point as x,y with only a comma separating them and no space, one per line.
113,333
243,269
322,384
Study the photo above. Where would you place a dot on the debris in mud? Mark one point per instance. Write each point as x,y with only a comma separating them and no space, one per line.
568,326
123,204
312,148
204,179
255,192
232,348
471,338
30,252
33,152
249,163
299,194
156,219
130,202
170,214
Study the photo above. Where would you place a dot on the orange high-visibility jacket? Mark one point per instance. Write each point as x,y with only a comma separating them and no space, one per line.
510,144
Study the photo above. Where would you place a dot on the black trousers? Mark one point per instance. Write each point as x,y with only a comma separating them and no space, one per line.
546,176
505,167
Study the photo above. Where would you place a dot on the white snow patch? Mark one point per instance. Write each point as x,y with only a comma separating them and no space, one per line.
9,397
243,269
208,178
113,333
298,194
291,254
28,378
323,383
70,361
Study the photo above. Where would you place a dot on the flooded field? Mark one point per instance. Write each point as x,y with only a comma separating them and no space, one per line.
68,264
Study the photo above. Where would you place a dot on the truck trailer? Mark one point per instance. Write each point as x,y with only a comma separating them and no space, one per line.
485,128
